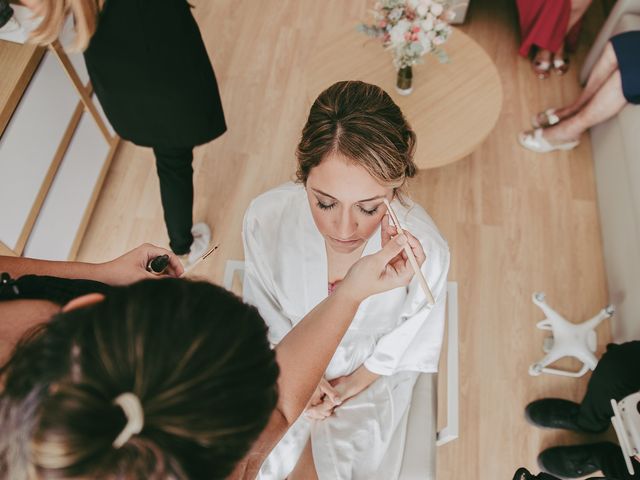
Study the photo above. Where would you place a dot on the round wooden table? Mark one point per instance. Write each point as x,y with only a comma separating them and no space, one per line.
453,107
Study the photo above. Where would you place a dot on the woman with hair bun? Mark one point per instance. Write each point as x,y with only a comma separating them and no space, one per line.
301,238
167,379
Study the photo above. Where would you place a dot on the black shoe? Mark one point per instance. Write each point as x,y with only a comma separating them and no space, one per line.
576,461
554,413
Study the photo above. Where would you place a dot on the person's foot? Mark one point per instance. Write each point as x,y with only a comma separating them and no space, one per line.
554,413
536,141
578,460
11,25
560,62
560,65
201,241
541,63
545,119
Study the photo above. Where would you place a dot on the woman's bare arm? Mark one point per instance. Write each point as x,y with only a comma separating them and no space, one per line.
125,269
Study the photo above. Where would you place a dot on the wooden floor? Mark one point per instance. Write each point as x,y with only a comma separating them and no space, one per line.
516,222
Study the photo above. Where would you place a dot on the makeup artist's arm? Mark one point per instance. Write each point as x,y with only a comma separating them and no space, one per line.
128,268
304,353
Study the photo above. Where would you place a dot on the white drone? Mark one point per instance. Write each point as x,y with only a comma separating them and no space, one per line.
567,339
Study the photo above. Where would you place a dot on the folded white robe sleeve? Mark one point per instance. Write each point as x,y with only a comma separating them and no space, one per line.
259,288
415,344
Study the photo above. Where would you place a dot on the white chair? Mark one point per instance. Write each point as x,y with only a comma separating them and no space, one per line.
626,422
422,438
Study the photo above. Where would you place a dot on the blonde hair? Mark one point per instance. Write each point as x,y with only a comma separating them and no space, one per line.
54,14
361,122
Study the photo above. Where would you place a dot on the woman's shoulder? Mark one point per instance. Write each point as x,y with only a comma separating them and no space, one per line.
274,206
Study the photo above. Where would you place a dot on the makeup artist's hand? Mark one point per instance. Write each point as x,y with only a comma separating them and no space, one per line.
132,266
385,270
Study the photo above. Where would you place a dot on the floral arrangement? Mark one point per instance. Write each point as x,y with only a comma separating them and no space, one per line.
411,29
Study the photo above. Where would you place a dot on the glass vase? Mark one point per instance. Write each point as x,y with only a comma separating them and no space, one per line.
404,83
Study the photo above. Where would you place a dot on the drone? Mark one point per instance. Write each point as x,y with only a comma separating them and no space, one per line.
567,339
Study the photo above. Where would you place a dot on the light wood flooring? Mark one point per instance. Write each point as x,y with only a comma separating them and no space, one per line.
516,222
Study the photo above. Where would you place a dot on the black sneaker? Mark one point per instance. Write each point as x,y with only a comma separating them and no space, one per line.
578,460
554,413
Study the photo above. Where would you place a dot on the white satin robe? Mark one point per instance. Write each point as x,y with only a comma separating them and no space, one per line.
394,334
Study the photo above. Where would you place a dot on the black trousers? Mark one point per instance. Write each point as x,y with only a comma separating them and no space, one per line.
175,171
616,376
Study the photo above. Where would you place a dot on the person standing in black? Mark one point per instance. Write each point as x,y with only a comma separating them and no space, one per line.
616,376
152,74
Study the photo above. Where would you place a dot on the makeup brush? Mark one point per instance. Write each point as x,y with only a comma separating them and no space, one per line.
197,262
411,256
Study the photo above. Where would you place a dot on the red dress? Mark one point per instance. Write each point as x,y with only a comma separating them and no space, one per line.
544,23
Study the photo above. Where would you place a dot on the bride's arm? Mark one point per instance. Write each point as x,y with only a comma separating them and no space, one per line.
304,353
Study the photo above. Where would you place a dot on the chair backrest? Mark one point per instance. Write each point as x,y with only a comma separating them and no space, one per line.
422,437
626,422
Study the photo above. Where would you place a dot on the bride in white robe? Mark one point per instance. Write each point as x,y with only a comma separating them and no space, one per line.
394,335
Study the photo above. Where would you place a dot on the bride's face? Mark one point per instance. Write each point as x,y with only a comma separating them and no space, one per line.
346,202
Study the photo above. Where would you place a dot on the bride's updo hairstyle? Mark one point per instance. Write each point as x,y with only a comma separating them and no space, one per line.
361,122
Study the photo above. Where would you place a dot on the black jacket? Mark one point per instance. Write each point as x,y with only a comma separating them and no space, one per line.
151,72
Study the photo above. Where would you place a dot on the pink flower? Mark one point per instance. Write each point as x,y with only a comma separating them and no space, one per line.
383,23
415,29
414,36
407,36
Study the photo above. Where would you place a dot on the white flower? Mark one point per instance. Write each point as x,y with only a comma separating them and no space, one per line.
427,25
441,26
414,3
425,42
436,9
398,31
395,14
422,9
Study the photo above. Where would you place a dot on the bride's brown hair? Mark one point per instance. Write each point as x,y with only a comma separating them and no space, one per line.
361,122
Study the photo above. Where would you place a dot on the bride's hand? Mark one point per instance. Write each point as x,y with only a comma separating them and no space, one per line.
385,270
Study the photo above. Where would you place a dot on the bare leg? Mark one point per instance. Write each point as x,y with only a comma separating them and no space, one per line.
602,70
578,9
607,101
305,469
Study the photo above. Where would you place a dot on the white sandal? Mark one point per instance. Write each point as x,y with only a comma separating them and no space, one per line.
542,68
550,119
534,140
560,66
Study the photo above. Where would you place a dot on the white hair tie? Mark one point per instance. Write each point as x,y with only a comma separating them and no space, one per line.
132,408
